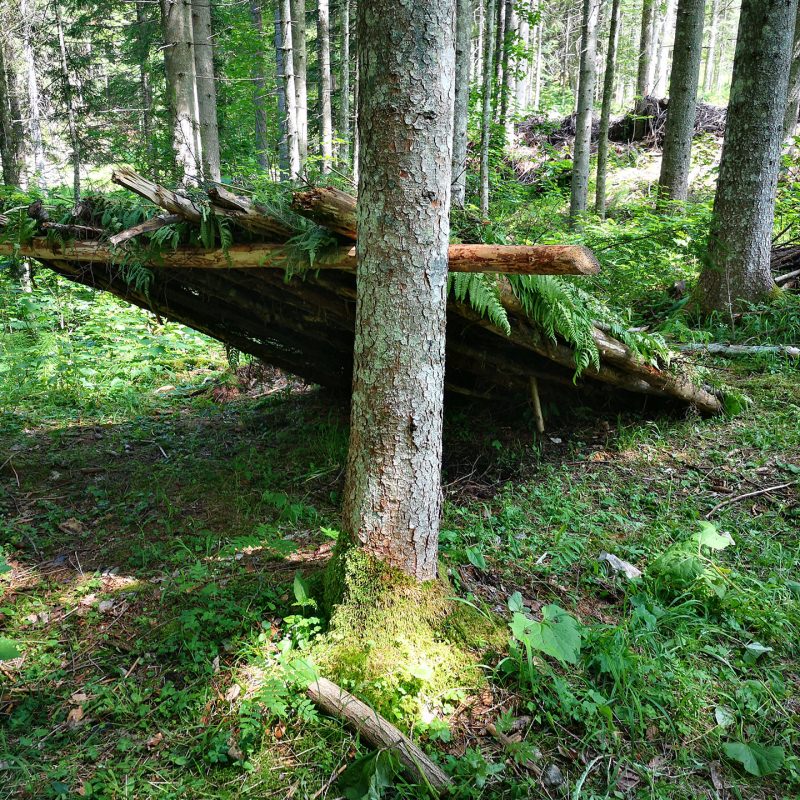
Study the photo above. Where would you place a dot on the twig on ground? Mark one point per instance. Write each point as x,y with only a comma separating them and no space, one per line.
736,499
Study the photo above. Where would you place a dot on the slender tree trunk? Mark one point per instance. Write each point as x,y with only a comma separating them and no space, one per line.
142,56
665,42
10,140
73,127
711,55
605,114
324,68
583,123
300,64
478,52
344,85
643,87
461,107
537,81
738,263
181,90
206,88
507,93
284,108
259,87
677,158
486,114
522,65
27,12
292,135
392,497
499,33
565,60
793,99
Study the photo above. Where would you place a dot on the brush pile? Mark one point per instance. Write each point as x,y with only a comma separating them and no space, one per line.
280,285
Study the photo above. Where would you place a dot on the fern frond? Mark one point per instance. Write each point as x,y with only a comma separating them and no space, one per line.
483,294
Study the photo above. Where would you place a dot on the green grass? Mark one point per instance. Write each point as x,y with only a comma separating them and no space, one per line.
155,521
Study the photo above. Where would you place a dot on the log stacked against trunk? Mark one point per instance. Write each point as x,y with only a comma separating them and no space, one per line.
305,325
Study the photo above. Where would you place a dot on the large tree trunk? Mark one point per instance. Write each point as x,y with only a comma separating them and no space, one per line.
486,113
206,89
324,68
181,89
11,142
711,54
583,124
677,158
461,109
605,114
300,63
392,497
290,94
27,12
68,98
259,87
344,84
793,99
738,264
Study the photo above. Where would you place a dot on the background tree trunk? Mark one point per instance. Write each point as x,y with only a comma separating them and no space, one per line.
793,98
392,497
677,159
290,95
11,145
507,94
206,88
283,109
344,85
73,127
181,90
486,112
259,87
499,39
143,39
324,67
461,108
605,114
738,265
643,86
583,124
711,55
300,64
665,42
27,11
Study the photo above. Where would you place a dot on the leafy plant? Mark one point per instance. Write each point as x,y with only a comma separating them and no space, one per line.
757,759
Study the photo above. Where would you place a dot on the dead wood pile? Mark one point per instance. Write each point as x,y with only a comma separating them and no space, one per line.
240,295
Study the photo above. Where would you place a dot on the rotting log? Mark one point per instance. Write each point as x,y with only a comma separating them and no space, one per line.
378,732
329,207
148,226
509,259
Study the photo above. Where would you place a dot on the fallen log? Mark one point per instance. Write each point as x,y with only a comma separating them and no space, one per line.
148,226
73,230
329,207
715,348
530,260
378,732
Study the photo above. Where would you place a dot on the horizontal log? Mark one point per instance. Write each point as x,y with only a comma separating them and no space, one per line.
533,260
329,207
148,226
719,349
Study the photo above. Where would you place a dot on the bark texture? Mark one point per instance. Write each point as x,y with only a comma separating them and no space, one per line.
324,68
644,69
11,135
583,124
605,114
289,90
738,263
344,84
461,108
280,92
486,112
259,87
793,99
206,89
711,53
68,98
392,497
26,10
300,63
677,159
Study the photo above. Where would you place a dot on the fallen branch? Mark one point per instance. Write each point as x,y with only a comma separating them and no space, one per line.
739,349
377,731
148,226
73,230
732,500
785,278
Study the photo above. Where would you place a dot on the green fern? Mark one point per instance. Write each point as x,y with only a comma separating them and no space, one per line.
483,293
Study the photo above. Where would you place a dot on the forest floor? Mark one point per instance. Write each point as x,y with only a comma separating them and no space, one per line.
156,507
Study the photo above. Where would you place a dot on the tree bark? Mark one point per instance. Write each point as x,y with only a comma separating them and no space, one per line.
507,94
499,39
665,41
206,89
643,87
711,55
181,88
738,263
143,39
324,67
583,123
259,87
68,99
284,161
605,114
537,80
11,142
676,162
461,108
300,63
392,497
344,85
34,112
486,112
290,92
793,99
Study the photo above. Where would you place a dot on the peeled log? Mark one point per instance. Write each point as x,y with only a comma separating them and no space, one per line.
534,260
329,207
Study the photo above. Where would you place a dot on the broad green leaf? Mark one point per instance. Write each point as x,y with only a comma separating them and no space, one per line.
302,671
757,759
368,776
754,651
515,602
724,716
557,635
4,566
709,536
300,589
8,649
475,557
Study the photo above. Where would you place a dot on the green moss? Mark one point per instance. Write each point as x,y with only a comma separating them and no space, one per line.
403,646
